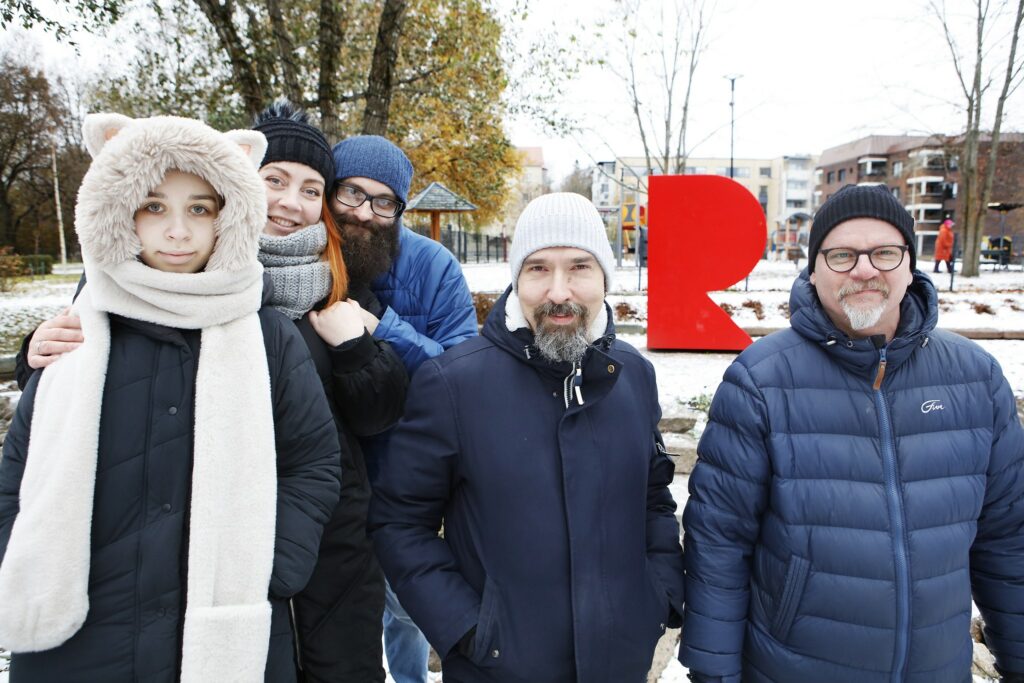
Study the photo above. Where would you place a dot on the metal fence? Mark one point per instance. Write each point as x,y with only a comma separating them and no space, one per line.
470,247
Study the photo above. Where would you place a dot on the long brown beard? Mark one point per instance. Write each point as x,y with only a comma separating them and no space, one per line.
369,247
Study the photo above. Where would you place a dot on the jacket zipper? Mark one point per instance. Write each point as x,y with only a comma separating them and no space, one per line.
572,387
896,520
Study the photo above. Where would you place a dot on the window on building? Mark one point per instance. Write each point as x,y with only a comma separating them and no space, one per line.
897,169
765,171
831,177
796,184
741,172
762,194
842,174
695,170
797,164
796,203
896,192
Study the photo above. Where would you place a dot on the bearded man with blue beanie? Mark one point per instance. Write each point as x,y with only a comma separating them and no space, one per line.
427,308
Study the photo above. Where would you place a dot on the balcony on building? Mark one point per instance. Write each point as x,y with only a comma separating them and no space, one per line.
926,213
872,168
929,188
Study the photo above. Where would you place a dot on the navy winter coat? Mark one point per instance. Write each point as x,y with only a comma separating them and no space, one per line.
560,545
137,576
837,533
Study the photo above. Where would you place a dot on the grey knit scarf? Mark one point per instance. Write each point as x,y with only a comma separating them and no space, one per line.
301,278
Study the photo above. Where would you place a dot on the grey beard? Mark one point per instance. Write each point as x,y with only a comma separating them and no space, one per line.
558,343
863,318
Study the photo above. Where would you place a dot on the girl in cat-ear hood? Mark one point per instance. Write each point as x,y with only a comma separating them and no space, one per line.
171,481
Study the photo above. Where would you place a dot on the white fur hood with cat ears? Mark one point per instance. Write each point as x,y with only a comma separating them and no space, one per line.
131,157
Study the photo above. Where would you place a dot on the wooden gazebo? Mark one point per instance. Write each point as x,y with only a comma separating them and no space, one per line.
435,200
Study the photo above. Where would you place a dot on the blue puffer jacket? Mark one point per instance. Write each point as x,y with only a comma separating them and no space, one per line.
835,532
560,545
427,304
138,570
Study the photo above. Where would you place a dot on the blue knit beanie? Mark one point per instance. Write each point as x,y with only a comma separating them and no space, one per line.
376,158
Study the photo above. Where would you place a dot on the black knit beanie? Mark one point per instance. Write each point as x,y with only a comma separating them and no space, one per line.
291,137
861,201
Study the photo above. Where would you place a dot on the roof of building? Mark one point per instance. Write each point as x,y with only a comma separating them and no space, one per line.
437,197
532,156
872,144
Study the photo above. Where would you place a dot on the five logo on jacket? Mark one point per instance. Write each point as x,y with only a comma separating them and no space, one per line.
933,404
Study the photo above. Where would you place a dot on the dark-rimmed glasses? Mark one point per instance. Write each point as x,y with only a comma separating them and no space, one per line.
844,259
385,207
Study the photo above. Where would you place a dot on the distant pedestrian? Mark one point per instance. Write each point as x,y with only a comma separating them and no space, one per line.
537,446
944,246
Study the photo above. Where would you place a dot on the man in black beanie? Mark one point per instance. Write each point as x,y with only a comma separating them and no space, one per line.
859,481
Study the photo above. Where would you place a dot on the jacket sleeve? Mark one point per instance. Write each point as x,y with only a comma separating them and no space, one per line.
664,553
451,319
308,461
728,494
369,383
410,493
12,465
997,555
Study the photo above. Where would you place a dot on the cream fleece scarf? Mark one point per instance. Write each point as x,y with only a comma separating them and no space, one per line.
515,319
44,576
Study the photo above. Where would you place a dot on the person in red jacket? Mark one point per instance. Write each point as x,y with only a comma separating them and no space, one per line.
944,246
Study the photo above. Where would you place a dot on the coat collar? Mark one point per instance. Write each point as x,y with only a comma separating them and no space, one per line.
599,367
919,313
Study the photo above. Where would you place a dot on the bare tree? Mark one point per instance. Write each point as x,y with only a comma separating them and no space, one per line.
670,48
974,82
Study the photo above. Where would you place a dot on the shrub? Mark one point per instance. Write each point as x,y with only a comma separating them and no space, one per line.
11,266
625,311
39,264
483,303
756,307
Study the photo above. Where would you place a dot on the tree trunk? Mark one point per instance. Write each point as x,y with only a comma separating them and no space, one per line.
993,153
286,52
382,73
219,16
330,35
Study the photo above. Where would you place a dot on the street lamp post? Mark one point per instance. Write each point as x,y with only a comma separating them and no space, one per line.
732,120
732,138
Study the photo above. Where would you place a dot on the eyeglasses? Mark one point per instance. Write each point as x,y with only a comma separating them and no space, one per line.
385,207
843,259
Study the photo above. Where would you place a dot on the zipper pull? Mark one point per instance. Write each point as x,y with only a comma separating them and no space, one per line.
577,384
526,350
881,371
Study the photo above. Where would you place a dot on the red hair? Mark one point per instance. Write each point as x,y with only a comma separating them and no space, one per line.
339,273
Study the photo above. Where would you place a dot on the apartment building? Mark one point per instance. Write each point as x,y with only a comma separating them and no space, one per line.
923,173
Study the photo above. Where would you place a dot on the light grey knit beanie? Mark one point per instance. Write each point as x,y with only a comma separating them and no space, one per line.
561,219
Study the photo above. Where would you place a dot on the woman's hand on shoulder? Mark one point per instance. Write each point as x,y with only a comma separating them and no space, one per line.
55,337
338,323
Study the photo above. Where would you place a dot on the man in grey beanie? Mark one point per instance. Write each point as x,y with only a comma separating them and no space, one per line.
537,445
858,482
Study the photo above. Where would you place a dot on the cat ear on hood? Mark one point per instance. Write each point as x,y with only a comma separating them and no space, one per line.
99,128
252,142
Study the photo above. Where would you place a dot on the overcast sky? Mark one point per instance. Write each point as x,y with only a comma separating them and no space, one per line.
815,74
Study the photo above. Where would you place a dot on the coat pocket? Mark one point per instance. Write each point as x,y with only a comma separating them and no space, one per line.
485,643
792,590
